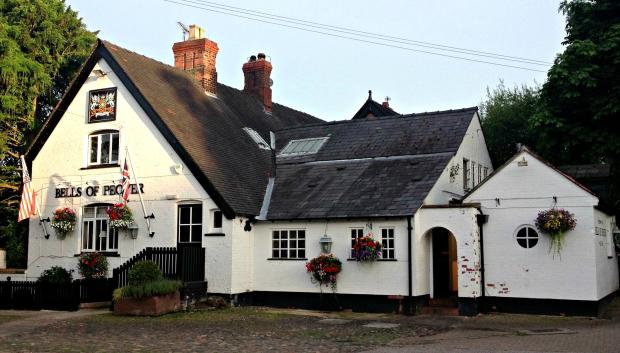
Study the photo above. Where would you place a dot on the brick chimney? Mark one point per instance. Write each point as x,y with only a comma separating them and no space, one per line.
197,54
257,72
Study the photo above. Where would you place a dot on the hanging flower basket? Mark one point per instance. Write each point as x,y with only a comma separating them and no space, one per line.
63,221
555,222
324,269
120,216
93,265
366,249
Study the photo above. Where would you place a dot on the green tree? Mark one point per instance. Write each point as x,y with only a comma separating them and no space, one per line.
506,120
579,121
42,43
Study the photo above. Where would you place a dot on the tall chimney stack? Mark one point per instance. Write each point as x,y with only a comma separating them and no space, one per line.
257,72
197,54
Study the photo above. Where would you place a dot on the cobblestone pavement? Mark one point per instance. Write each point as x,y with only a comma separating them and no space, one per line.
271,330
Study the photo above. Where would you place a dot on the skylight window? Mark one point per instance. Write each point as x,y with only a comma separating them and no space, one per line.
257,138
303,146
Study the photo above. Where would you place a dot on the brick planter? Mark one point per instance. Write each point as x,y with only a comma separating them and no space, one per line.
153,306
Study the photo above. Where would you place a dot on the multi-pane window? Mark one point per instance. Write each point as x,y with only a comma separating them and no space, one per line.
473,174
466,174
103,148
190,223
387,243
486,172
527,237
480,173
288,244
96,232
356,233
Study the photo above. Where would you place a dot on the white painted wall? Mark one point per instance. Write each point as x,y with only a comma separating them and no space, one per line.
59,164
513,271
378,277
461,222
473,148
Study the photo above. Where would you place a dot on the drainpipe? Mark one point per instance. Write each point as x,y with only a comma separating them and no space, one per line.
409,270
481,219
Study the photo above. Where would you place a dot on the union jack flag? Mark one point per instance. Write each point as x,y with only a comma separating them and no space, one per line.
28,203
126,182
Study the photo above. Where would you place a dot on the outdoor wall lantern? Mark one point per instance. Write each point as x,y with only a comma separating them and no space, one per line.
133,230
326,244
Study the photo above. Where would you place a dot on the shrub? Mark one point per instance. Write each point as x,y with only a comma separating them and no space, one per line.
55,275
148,289
93,265
144,272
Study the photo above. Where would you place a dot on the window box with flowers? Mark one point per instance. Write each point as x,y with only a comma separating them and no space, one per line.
120,216
366,249
555,222
63,221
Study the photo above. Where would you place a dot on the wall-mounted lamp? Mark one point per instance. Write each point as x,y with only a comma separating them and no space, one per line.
522,162
615,230
326,244
132,230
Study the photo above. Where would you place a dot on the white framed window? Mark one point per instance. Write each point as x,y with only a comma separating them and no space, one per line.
526,236
473,174
387,243
480,173
190,223
486,172
103,148
96,232
356,233
288,244
303,146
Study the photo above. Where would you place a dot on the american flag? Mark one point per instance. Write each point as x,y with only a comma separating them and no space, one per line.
28,203
125,182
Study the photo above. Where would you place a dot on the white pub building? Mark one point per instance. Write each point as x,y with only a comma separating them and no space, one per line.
258,185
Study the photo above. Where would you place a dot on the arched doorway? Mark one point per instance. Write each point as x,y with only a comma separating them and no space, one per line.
443,264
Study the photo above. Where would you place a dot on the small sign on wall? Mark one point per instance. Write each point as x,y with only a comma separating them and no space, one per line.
102,105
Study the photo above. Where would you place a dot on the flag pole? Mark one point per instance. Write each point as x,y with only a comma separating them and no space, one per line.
133,171
41,220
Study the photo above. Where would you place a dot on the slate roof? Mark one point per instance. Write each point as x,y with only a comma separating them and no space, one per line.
379,167
374,108
205,131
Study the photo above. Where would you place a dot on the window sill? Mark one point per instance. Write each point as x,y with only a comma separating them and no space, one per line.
104,253
284,259
375,260
101,166
101,121
214,234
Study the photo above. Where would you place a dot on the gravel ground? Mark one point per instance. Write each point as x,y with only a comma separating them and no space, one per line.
225,330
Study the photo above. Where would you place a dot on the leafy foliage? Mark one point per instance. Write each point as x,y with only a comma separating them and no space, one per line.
42,44
148,289
55,275
506,116
144,272
580,101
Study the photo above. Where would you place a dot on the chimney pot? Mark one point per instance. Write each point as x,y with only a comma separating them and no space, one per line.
197,55
257,80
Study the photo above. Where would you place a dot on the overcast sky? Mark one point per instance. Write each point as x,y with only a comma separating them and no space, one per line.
329,77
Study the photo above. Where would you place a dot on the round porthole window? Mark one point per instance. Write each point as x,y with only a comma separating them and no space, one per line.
527,237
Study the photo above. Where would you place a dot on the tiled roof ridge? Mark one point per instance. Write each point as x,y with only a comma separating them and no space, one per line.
399,116
108,43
